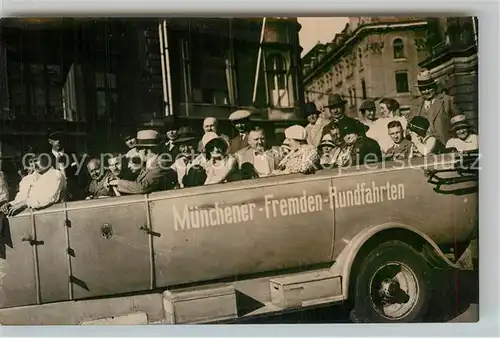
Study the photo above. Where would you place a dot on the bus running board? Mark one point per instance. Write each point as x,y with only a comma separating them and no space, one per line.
306,289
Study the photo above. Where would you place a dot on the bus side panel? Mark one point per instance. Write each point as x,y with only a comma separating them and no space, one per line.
52,256
111,252
17,266
411,200
274,235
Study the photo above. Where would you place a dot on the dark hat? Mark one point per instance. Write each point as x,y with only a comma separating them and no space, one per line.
185,134
128,133
170,123
419,124
310,108
147,138
56,135
367,105
351,126
335,100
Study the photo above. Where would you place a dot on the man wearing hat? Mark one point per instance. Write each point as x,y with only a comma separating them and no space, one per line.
65,160
187,142
155,176
129,137
241,122
316,127
465,139
302,157
437,108
423,143
357,148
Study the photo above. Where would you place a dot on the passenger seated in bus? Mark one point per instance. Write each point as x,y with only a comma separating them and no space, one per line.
117,164
154,176
255,160
465,139
240,119
358,148
98,187
44,187
302,156
187,143
401,147
328,152
210,124
423,143
220,166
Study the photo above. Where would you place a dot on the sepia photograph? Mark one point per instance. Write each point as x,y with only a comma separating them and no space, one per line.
239,170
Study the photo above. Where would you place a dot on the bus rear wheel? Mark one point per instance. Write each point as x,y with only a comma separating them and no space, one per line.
393,285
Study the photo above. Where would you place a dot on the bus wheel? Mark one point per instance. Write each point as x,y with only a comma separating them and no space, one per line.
393,285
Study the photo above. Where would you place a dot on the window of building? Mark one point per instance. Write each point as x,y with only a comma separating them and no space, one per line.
246,54
402,82
399,49
360,56
278,80
363,88
350,97
36,90
209,58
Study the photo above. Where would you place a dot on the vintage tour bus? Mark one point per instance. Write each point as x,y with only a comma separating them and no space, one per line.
370,237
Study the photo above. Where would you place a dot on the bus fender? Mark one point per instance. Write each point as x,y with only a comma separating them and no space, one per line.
344,263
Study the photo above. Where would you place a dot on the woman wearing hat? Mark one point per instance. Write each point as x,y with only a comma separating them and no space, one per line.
328,151
302,157
316,127
437,108
357,149
465,139
220,166
423,143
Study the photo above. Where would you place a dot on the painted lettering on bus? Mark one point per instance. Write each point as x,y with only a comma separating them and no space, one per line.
193,217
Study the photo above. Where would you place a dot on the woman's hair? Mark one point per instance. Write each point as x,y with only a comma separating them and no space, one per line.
219,143
392,104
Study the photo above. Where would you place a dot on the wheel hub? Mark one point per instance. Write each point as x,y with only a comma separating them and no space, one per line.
394,290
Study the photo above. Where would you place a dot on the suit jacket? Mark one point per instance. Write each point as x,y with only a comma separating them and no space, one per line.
247,155
154,177
439,115
236,143
365,150
76,181
400,152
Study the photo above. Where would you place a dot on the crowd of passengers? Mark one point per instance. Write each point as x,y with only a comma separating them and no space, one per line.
181,158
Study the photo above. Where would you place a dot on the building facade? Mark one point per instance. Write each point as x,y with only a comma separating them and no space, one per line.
452,59
371,58
92,77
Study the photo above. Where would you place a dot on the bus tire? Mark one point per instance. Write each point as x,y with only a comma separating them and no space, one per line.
393,285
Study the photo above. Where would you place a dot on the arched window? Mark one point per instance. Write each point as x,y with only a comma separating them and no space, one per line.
278,80
399,49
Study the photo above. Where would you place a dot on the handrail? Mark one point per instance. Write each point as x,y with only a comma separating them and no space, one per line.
240,185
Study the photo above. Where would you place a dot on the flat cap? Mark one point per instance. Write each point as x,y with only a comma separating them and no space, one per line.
239,115
296,132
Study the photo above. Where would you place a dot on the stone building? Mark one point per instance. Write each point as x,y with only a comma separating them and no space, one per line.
452,59
371,58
